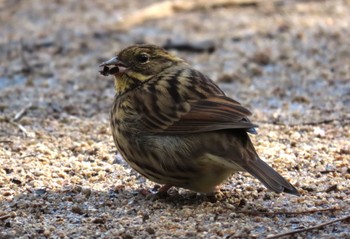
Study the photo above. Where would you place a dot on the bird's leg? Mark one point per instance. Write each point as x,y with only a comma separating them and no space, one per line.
216,195
163,190
157,192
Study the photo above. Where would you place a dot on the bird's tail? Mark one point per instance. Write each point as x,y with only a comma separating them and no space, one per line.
267,175
270,178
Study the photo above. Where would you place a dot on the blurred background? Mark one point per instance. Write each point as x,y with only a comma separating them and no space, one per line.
286,60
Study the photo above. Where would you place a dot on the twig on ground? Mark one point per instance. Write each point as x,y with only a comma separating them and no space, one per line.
294,213
325,121
6,142
27,67
169,8
309,228
9,215
199,46
20,127
18,116
29,155
22,113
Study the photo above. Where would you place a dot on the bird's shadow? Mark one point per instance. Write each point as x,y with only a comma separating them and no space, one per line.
73,204
71,197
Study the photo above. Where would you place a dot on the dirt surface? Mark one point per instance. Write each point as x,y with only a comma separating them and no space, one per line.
60,174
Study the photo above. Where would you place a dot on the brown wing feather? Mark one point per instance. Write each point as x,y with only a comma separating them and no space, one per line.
214,113
184,101
203,115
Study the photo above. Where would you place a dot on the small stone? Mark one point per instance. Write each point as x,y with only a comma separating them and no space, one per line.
145,217
319,132
332,188
77,210
127,236
261,58
86,191
150,230
99,220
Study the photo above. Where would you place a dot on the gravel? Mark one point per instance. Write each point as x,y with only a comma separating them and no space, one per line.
61,176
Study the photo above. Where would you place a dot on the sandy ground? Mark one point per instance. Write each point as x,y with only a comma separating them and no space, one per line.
60,174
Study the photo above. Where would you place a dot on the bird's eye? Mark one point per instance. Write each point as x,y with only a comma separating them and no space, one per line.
143,58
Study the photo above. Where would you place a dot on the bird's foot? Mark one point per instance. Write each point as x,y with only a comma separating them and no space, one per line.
215,196
156,193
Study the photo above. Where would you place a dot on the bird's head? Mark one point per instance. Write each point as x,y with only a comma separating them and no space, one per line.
138,63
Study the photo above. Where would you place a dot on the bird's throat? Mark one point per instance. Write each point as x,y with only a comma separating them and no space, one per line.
125,81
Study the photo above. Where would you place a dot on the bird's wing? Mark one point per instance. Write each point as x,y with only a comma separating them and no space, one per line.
200,115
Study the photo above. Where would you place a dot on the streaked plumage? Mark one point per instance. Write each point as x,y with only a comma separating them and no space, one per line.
176,127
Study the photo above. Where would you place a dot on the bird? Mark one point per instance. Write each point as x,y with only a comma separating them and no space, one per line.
176,127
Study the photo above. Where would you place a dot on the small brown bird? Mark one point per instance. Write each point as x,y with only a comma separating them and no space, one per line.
176,127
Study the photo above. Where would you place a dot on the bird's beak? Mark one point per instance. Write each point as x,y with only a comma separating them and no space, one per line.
112,61
117,66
